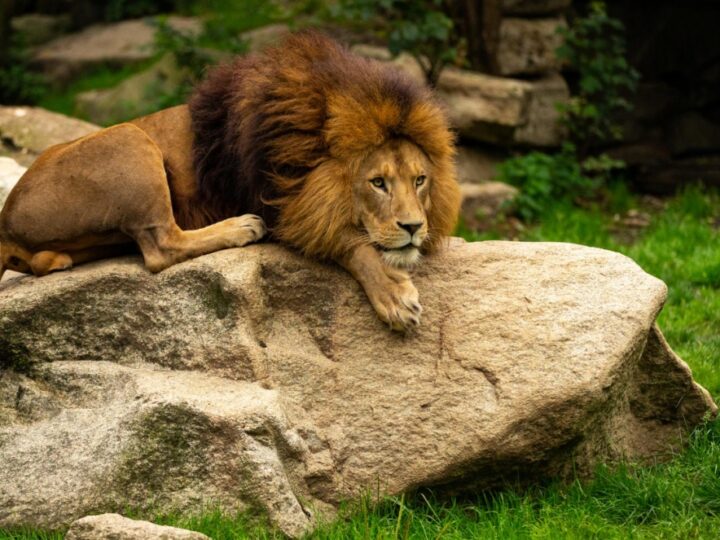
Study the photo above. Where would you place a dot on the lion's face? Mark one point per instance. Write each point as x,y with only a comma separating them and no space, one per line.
391,197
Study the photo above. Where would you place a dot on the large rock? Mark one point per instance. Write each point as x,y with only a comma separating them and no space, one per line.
116,44
253,378
484,108
527,46
25,132
116,527
504,111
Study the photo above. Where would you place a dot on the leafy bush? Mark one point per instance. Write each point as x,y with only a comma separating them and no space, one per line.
420,27
19,85
594,46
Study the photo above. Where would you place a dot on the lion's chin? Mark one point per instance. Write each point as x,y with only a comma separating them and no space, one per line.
402,258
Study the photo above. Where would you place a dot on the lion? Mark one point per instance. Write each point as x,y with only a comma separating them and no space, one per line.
337,156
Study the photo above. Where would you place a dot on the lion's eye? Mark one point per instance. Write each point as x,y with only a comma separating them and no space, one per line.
420,180
378,182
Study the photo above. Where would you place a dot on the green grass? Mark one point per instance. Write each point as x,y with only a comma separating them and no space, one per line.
679,499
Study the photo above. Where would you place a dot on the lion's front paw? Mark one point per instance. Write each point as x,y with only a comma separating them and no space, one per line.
251,228
397,302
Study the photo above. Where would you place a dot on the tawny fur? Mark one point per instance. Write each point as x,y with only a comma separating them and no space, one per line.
294,135
281,135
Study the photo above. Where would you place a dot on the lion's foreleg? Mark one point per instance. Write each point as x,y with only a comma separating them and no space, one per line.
390,290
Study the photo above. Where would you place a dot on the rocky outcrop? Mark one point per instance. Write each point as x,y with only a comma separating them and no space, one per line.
253,378
116,527
117,44
527,46
504,111
25,132
483,203
488,109
477,164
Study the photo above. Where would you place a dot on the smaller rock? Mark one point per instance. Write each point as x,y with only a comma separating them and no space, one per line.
31,130
481,203
133,97
692,133
117,527
477,164
265,36
36,28
527,46
534,7
120,44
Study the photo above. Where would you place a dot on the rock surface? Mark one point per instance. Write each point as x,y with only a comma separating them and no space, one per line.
117,527
118,44
27,131
133,97
527,46
502,110
253,378
481,203
476,164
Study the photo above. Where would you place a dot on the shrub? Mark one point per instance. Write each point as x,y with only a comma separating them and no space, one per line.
19,85
594,47
420,27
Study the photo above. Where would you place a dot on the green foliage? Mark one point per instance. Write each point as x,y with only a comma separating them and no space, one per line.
594,46
420,27
184,46
545,178
19,85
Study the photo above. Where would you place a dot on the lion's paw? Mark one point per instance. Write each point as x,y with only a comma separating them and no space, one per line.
251,228
397,302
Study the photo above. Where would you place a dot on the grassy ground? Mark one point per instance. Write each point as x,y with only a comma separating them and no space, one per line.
680,499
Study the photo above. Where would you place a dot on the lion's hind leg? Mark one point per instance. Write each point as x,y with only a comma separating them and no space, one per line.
164,246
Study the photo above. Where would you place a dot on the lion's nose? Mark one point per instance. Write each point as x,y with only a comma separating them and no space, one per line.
410,227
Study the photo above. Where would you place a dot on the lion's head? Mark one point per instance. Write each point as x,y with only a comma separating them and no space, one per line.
391,200
330,148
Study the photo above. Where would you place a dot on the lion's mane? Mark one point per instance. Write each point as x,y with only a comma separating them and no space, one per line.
280,133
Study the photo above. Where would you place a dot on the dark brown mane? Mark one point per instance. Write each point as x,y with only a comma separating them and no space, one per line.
263,123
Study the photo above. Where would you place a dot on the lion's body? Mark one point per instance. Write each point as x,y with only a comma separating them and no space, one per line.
283,135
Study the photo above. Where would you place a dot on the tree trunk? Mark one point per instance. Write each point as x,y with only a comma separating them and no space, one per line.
6,12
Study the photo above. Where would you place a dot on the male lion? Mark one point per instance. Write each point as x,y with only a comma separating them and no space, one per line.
342,157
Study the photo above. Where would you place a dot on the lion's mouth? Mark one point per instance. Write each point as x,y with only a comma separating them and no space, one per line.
406,247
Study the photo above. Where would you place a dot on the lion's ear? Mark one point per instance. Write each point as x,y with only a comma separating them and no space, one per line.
318,217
